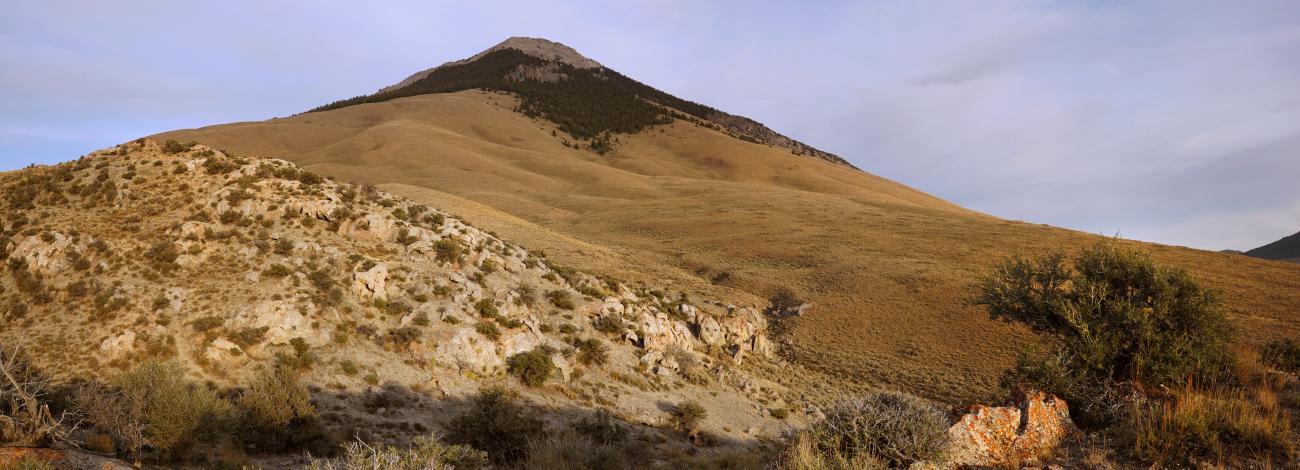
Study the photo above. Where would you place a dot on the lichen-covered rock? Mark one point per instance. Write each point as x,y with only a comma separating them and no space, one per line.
1006,437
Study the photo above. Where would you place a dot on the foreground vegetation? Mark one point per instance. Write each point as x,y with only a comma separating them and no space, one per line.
1144,354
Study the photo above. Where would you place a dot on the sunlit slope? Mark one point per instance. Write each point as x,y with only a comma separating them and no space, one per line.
888,267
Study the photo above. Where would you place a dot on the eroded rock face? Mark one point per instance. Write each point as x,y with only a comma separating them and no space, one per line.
371,283
44,254
1007,437
469,351
284,321
115,346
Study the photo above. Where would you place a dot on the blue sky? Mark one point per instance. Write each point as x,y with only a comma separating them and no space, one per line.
1176,122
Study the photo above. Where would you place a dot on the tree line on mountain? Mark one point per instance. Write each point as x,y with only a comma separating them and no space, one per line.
586,103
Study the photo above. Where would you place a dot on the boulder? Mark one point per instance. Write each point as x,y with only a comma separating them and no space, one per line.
46,257
115,346
371,282
1007,437
469,351
284,321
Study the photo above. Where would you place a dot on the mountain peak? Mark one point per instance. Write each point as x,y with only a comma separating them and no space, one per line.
537,47
542,48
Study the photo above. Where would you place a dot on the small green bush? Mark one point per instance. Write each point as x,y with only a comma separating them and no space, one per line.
561,299
1283,354
448,250
486,307
592,351
277,270
275,399
488,330
174,414
532,367
608,324
688,415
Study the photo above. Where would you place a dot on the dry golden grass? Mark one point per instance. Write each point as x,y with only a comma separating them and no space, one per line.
888,267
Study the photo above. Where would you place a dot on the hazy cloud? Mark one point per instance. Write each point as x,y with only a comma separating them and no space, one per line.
1170,121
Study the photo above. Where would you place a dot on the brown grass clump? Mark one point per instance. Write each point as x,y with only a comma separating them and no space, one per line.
1214,423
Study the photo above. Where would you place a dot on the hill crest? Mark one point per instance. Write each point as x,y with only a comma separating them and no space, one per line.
592,104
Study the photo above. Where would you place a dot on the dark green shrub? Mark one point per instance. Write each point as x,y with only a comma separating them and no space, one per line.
1283,354
488,330
448,250
687,416
497,425
561,299
202,324
779,413
592,351
532,367
249,336
608,324
301,359
1121,322
403,337
173,147
486,308
277,270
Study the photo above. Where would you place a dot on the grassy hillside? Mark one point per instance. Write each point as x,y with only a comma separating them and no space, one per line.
888,268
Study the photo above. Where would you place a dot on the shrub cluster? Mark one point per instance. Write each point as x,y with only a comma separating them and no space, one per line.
878,430
532,367
1122,322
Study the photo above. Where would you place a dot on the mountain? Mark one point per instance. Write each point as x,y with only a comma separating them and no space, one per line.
394,313
585,99
878,274
1286,249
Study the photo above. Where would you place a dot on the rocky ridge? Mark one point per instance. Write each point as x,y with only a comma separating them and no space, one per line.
227,264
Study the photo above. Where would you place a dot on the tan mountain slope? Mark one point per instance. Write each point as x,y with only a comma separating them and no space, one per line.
888,268
229,264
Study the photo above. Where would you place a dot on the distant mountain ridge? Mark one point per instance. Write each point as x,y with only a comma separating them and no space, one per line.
1286,249
587,100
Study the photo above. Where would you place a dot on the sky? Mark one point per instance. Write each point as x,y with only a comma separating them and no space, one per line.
1176,122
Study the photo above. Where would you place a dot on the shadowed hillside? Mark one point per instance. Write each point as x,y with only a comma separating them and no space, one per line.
1286,249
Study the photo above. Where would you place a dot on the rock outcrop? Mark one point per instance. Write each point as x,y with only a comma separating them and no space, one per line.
1006,436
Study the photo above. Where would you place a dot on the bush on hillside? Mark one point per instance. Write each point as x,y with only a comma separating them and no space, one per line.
425,453
496,425
879,430
532,367
277,410
153,405
1282,354
1121,322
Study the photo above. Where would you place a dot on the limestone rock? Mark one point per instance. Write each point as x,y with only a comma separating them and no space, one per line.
284,321
469,351
371,282
115,346
44,256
